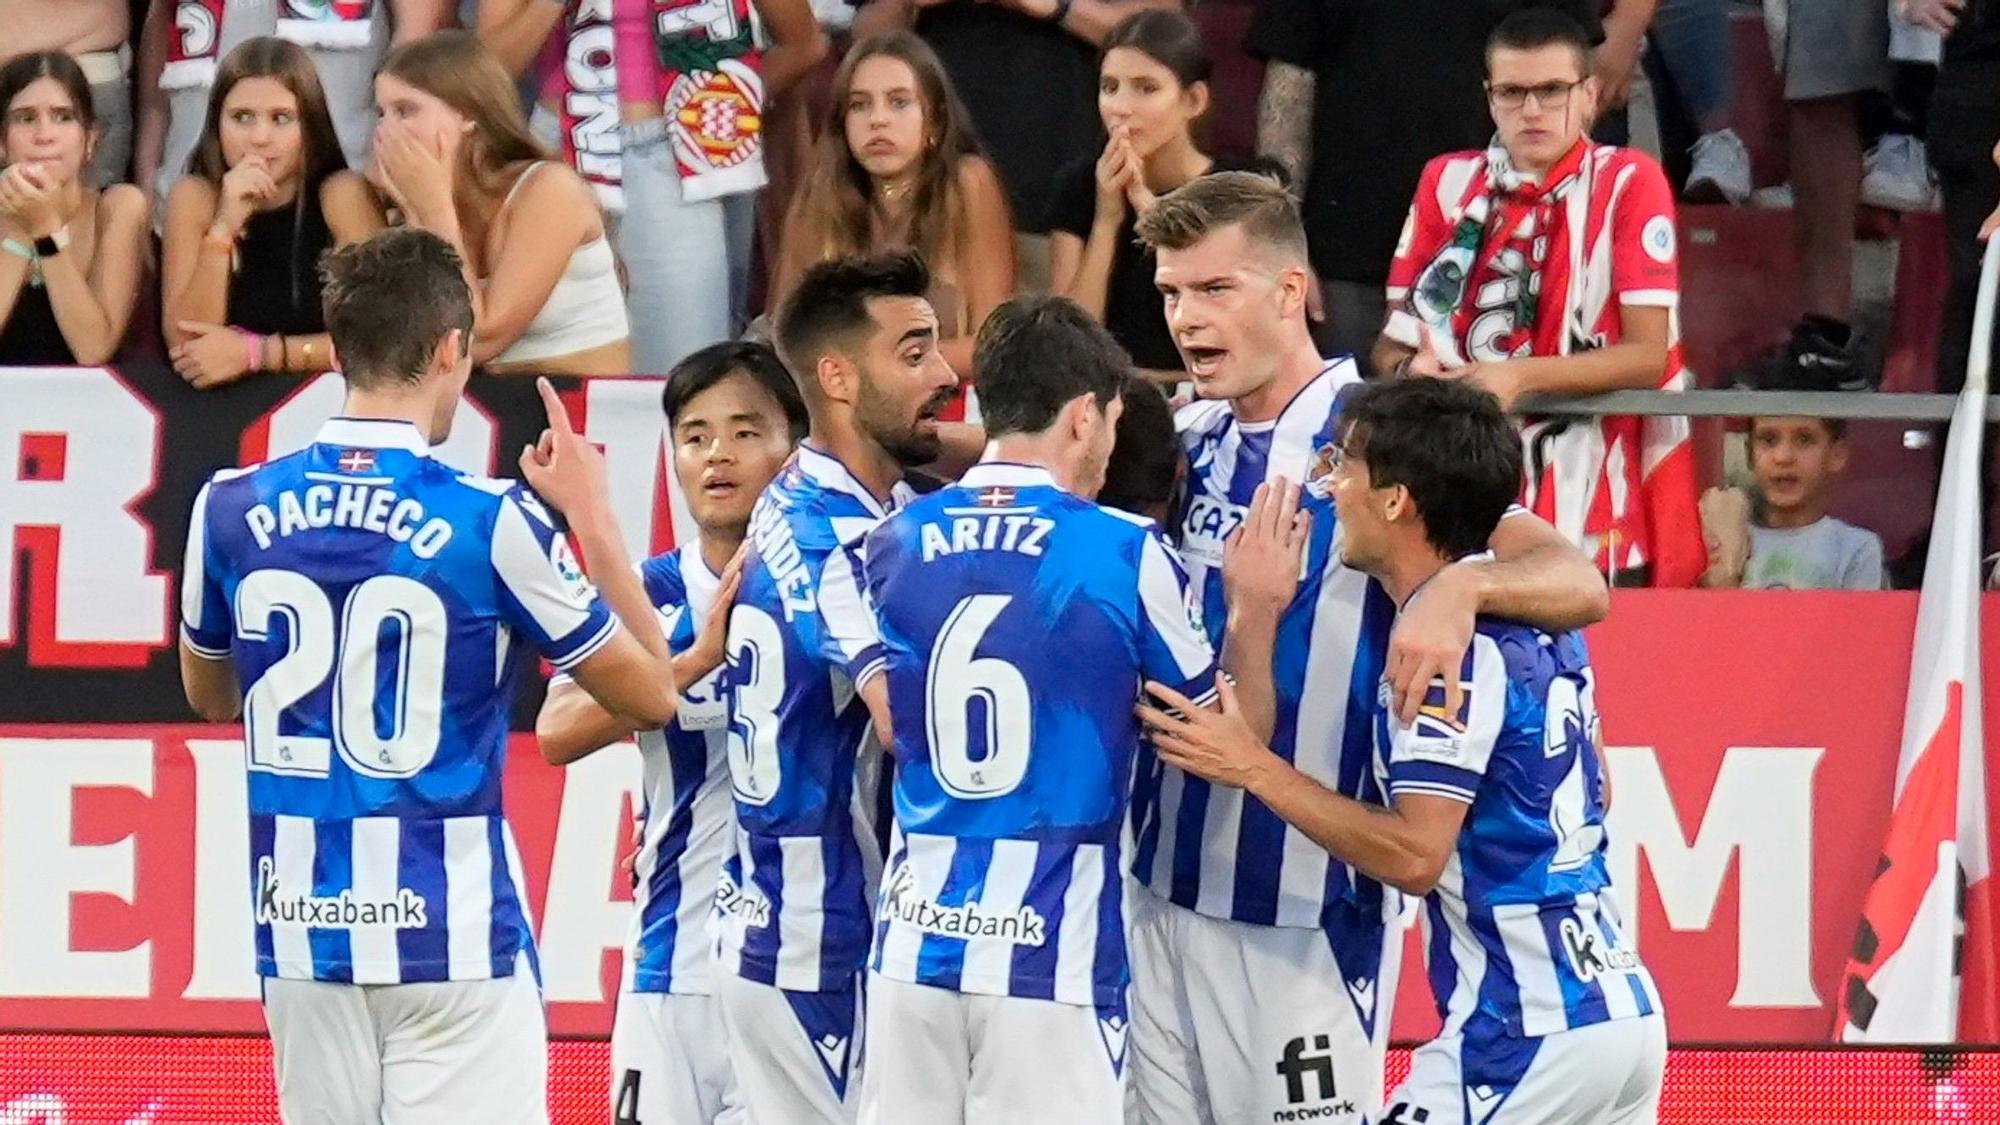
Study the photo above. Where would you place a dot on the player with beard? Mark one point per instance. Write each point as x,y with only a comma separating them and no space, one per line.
795,907
734,414
1263,970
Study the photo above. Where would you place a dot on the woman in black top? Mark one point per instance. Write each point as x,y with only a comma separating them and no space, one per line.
70,256
1152,87
267,192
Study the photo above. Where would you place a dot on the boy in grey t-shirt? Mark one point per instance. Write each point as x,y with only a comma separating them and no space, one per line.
1793,544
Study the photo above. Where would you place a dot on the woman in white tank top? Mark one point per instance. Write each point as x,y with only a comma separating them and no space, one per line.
454,154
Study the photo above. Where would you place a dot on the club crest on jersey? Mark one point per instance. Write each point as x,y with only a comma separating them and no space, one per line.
357,461
1319,475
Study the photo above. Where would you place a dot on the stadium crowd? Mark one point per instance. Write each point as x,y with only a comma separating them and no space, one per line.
684,163
900,262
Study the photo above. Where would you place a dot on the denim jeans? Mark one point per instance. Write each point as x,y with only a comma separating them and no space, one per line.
681,279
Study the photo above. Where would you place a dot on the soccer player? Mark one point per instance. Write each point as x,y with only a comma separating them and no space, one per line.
1263,971
733,415
794,906
369,602
1017,619
1497,801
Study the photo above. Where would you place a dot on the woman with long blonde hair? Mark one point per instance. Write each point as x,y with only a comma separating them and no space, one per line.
267,191
897,166
454,155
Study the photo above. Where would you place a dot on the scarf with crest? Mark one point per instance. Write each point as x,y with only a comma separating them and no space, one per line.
1480,297
709,84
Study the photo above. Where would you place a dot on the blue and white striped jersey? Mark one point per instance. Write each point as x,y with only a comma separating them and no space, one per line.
1018,623
370,597
1215,849
688,815
1522,932
793,906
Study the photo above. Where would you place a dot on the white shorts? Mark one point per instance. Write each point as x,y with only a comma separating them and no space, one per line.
410,1054
797,1055
1604,1074
938,1057
1240,1024
670,1062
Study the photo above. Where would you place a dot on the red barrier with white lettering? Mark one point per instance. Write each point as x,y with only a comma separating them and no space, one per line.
1751,744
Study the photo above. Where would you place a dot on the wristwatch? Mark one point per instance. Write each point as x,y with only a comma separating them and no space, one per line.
51,245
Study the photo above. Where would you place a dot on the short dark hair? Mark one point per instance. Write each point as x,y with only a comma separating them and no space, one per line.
1258,202
1036,353
1446,441
711,365
1141,475
390,300
1533,28
1836,428
829,305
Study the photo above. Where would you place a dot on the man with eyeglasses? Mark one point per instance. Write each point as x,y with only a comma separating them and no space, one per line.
1548,264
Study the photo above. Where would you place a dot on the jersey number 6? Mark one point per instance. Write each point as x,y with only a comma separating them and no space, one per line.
959,688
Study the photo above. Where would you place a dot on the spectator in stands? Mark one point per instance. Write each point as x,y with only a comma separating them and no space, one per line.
1791,543
1406,77
1692,66
454,155
674,217
96,34
1144,474
267,193
898,167
1830,54
1964,133
183,39
1152,88
1027,70
72,255
1546,264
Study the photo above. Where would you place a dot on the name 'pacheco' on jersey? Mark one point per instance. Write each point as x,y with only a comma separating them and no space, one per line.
373,599
1523,935
1017,621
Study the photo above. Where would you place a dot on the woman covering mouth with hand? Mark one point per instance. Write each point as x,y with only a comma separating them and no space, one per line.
267,192
72,254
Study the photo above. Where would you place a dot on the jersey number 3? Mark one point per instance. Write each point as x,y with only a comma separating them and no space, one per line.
385,611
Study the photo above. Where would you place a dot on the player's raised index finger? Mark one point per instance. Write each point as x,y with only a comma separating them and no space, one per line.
553,403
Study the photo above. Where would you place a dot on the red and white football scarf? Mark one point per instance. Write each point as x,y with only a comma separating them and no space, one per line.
1626,486
710,88
340,25
1505,227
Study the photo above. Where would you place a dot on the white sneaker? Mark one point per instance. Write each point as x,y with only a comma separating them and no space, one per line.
1721,168
1897,177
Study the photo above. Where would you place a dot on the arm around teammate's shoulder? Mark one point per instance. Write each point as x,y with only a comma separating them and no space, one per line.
1534,575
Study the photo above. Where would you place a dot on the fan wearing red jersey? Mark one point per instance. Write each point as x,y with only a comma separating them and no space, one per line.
1547,265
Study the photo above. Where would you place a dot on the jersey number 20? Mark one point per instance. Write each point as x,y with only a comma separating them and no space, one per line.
353,657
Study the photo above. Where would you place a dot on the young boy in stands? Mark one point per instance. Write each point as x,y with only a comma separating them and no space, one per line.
1792,544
